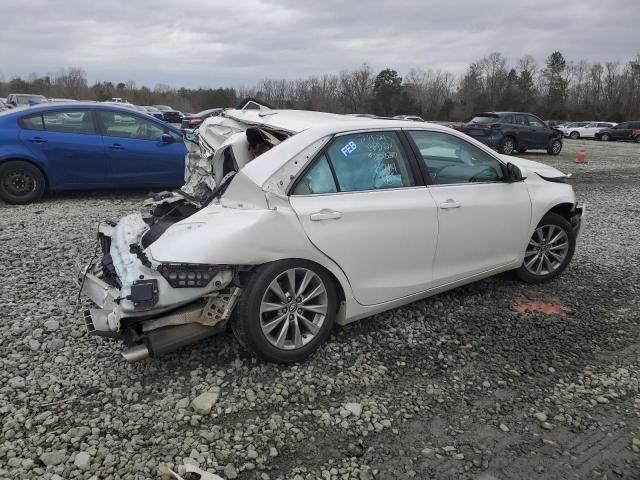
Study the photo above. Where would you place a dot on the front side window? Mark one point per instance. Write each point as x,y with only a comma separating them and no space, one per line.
535,122
622,125
452,160
118,124
69,121
359,162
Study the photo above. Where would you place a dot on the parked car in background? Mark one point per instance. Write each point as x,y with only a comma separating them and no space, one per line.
566,128
412,118
622,131
169,114
85,145
25,99
61,100
589,130
3,105
508,132
304,226
154,111
192,121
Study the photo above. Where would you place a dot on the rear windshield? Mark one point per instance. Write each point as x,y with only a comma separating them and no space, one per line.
484,119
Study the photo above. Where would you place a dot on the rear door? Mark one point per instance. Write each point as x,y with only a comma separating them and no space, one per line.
360,204
137,153
622,131
69,141
483,221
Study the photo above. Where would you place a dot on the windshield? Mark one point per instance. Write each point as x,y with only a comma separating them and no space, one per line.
164,108
484,119
25,99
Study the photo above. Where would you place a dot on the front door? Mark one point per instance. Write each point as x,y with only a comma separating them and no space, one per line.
537,133
359,204
483,221
136,153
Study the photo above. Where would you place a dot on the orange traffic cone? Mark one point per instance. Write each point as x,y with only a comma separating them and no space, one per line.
581,158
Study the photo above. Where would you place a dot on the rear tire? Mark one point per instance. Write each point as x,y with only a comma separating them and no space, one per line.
281,324
549,250
555,147
507,146
574,135
21,182
605,137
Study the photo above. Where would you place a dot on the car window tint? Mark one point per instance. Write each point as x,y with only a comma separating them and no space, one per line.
534,122
635,125
32,122
369,161
318,179
450,159
119,124
519,120
69,121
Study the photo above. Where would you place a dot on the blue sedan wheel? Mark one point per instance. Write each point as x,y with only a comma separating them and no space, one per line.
21,182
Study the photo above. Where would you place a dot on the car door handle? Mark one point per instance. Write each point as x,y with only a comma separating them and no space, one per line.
116,146
450,204
38,140
325,214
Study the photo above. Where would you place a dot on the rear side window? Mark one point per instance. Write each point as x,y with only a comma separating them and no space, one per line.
484,119
519,120
31,122
635,125
359,162
69,121
318,179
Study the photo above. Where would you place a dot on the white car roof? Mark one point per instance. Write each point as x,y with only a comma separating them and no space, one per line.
309,128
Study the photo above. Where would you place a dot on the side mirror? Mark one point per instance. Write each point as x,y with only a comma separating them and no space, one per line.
515,173
167,138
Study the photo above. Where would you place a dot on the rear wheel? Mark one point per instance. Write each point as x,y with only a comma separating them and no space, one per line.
555,147
574,135
549,250
507,146
21,182
286,310
605,137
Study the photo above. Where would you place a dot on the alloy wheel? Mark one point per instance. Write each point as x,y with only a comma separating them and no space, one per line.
508,147
605,137
547,250
293,309
556,146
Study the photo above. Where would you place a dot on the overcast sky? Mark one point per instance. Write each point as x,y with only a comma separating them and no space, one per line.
238,42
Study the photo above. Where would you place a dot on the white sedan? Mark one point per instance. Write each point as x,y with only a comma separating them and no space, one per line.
586,131
291,221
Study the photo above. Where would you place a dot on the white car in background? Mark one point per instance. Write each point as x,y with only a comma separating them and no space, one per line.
291,221
587,131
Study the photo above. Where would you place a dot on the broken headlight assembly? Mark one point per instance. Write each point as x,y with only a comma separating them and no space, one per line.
188,275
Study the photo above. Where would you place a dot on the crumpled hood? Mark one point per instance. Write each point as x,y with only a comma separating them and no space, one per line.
534,167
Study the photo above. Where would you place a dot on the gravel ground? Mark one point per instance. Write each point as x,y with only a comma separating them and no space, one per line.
460,385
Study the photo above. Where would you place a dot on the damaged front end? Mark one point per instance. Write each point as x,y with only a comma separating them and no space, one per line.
153,307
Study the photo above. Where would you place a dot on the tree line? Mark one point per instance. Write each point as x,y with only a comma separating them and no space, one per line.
557,89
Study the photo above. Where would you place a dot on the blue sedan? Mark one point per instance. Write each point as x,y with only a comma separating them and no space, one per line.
85,146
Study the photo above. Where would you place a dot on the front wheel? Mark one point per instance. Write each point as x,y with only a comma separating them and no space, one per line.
549,250
507,146
555,147
21,182
605,137
574,135
286,310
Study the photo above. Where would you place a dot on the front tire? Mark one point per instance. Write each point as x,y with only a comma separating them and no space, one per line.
605,137
507,146
555,147
21,182
286,311
549,250
574,135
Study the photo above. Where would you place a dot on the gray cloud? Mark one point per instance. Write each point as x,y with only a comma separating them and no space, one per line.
221,42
